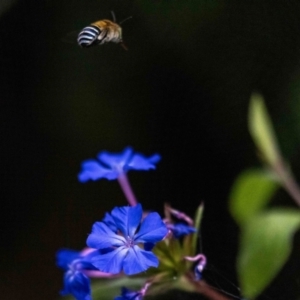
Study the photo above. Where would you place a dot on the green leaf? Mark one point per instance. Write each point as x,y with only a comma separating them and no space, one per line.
266,244
170,255
250,193
261,130
197,221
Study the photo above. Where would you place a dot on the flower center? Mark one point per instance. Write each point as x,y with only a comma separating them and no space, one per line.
129,242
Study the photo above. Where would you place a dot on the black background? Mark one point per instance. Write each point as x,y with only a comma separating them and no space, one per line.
181,90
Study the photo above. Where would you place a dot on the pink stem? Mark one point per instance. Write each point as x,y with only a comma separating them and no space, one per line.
127,190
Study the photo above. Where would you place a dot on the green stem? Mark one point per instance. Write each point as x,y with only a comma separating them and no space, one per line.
287,180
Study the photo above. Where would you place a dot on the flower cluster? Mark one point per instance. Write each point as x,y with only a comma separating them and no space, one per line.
127,241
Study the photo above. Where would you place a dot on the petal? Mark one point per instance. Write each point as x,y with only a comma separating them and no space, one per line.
152,229
86,261
148,246
115,160
92,170
138,260
103,237
181,229
127,218
109,221
140,162
111,262
65,256
129,295
78,285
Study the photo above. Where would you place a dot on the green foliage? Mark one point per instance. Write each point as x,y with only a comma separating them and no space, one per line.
266,234
266,242
170,254
172,251
251,191
194,237
261,130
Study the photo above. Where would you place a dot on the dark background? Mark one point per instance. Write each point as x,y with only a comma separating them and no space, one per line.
181,90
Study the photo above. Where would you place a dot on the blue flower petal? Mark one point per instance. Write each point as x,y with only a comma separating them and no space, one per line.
149,246
138,260
109,221
129,295
85,262
115,160
70,259
64,257
92,170
111,262
140,162
111,165
152,230
103,237
127,219
181,229
78,285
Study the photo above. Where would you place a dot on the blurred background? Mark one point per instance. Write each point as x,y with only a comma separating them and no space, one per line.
181,90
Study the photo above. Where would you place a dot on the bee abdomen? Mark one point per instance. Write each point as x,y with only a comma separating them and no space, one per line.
88,36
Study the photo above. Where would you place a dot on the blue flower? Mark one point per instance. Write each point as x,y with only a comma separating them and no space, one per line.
181,229
125,248
129,295
75,281
111,165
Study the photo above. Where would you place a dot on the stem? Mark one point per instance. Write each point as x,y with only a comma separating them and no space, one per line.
126,188
205,289
287,180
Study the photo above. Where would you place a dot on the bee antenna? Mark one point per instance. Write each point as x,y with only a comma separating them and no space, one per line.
125,20
113,15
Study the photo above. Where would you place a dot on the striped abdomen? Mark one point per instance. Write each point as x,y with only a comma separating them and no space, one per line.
88,36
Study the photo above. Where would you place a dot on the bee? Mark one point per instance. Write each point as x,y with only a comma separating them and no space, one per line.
101,32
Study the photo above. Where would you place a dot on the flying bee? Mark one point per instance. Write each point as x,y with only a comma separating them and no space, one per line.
101,32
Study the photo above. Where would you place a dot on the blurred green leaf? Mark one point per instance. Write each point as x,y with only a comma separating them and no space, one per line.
266,243
250,193
261,130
